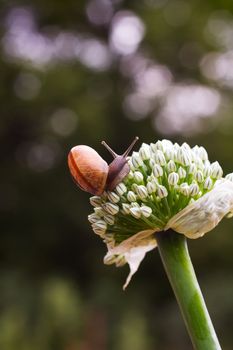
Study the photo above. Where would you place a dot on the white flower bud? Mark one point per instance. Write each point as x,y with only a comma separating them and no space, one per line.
151,178
186,159
98,231
217,172
157,146
192,169
132,168
131,196
187,150
183,157
113,197
134,204
206,162
173,179
130,175
185,146
93,218
109,219
192,156
99,211
159,158
195,150
142,192
135,212
181,172
157,170
230,177
194,189
153,147
145,152
208,184
200,152
166,144
199,176
125,208
111,208
146,211
184,189
121,189
171,166
152,163
136,160
170,154
199,163
207,171
179,155
203,154
151,187
100,225
162,191
138,177
134,188
95,201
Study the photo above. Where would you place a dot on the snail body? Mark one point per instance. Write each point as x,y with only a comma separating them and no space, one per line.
92,173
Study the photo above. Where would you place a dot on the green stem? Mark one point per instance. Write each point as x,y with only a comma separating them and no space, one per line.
175,256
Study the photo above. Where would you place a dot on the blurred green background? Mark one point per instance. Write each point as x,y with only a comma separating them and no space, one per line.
78,72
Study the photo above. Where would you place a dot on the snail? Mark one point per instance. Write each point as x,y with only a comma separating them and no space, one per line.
92,173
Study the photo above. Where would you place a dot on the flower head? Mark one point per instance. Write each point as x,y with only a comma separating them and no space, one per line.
169,186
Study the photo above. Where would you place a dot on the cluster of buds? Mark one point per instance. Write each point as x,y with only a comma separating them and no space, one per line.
164,179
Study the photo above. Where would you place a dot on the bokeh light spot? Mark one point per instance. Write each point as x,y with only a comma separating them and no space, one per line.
64,122
218,66
22,41
154,80
95,55
127,32
136,106
184,108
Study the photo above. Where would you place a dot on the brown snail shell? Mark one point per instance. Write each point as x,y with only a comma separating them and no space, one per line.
90,171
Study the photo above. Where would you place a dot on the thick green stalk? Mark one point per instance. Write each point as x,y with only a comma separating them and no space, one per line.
176,260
